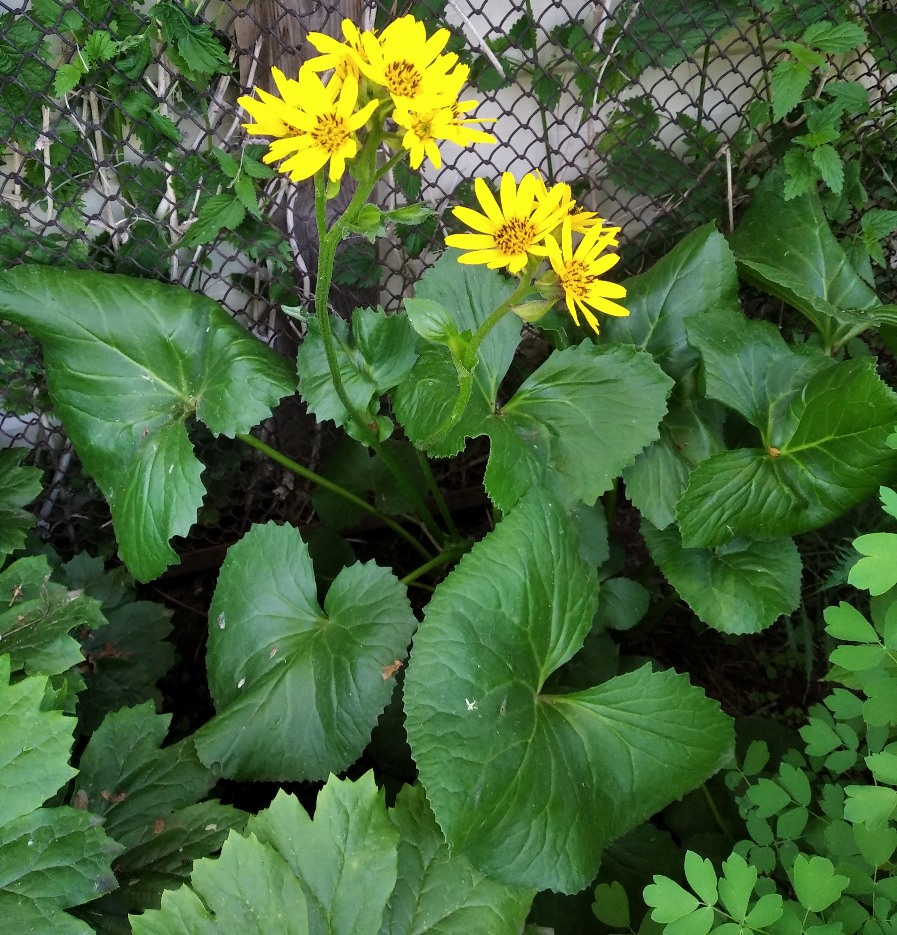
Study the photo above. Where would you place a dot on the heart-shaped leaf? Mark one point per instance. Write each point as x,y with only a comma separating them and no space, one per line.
297,689
741,587
510,771
378,354
573,424
690,432
128,361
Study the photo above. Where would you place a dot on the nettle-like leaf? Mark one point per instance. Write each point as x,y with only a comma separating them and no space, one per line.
18,487
37,617
129,652
51,859
298,689
355,869
377,354
573,424
530,785
823,426
788,249
346,858
128,361
740,587
440,893
248,890
147,796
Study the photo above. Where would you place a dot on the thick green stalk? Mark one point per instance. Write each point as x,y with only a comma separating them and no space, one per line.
326,484
329,241
465,383
427,471
443,558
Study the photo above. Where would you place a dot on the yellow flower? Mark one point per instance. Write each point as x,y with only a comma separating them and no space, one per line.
579,271
340,56
312,124
409,65
443,123
581,220
508,235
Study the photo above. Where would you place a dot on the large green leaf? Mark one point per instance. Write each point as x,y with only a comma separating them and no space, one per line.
690,432
50,858
128,361
826,453
787,248
573,424
528,785
741,587
749,368
696,275
346,857
297,689
440,893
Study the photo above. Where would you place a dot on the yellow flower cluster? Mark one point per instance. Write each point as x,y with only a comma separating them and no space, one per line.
399,74
530,222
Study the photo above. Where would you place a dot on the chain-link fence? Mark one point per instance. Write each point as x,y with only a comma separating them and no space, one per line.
124,152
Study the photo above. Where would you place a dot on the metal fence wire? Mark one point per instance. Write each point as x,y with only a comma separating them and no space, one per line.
124,152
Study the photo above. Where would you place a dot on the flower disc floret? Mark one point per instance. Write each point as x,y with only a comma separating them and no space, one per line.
312,123
579,271
510,233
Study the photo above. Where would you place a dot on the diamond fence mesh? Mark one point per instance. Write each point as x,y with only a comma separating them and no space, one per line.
124,152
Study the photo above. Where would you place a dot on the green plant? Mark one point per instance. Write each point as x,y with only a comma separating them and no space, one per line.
536,745
817,856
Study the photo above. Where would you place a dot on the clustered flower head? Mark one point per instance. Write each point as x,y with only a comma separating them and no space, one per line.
532,222
400,75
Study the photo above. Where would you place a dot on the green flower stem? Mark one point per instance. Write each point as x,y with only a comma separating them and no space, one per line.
347,495
443,558
427,471
465,374
329,241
